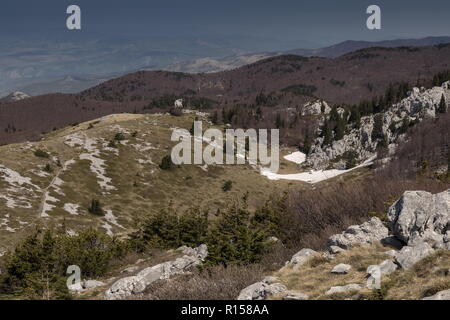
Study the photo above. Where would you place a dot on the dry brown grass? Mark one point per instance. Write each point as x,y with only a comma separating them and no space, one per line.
315,277
215,283
426,278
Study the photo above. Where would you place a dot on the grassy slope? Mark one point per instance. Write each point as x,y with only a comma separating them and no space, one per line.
314,278
141,188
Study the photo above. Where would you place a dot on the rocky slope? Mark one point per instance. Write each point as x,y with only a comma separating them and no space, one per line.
406,257
419,105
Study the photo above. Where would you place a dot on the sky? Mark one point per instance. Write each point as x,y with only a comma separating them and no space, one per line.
295,22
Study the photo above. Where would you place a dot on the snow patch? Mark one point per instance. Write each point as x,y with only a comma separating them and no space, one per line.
297,157
71,208
313,176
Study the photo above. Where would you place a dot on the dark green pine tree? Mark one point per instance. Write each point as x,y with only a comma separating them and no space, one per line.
234,239
377,133
307,143
340,129
334,115
214,118
327,134
355,117
96,208
442,105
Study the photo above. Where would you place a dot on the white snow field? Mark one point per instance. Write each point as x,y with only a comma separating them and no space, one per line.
297,157
312,176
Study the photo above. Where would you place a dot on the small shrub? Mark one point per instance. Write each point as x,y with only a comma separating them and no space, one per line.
227,185
41,154
119,136
166,163
112,144
96,208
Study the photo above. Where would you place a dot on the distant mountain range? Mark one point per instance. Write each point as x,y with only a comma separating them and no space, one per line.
231,62
283,81
350,46
79,69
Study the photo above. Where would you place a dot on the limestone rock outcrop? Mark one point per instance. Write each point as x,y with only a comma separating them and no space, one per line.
366,233
128,286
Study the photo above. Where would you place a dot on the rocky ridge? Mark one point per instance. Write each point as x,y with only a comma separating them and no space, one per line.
419,105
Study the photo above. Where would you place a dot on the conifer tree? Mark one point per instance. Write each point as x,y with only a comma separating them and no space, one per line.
327,134
340,129
442,105
234,239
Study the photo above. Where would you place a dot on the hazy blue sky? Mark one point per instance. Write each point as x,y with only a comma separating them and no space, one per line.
305,22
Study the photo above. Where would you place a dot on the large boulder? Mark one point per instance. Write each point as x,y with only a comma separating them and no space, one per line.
410,255
421,216
366,233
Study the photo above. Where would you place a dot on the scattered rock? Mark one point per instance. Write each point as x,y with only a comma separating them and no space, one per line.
341,269
441,295
386,267
260,291
273,240
328,255
391,253
200,252
335,249
90,284
344,289
130,269
295,296
301,257
409,256
76,287
270,279
366,233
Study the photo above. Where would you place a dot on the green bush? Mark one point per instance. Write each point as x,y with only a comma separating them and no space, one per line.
41,154
119,136
235,237
227,185
166,163
96,208
350,158
37,268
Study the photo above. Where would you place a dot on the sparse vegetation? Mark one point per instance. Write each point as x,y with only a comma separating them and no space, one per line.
96,208
166,163
36,269
227,185
41,154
